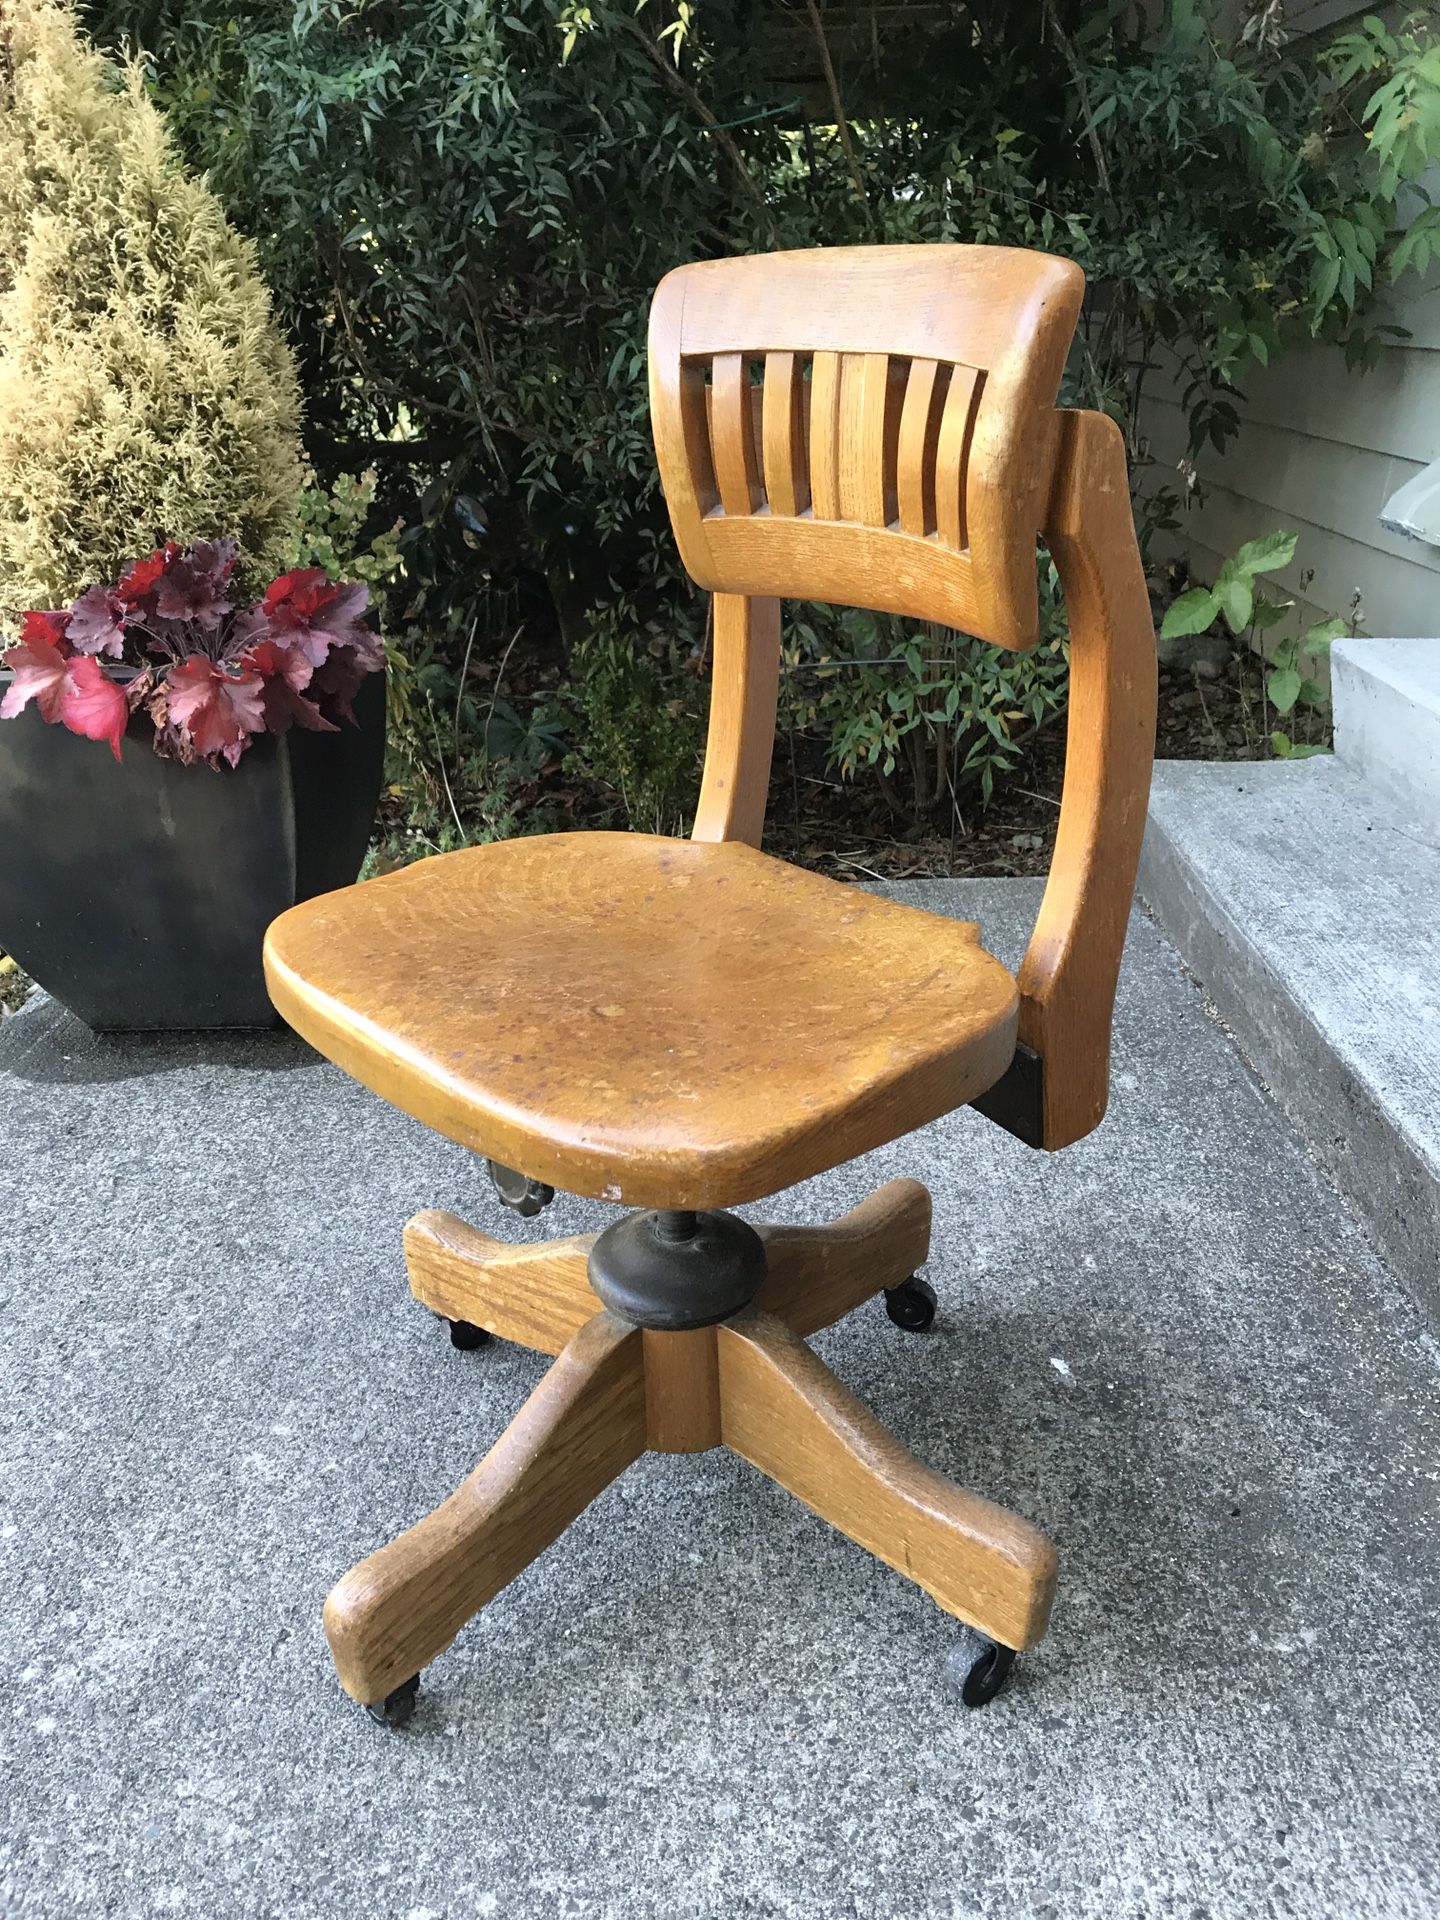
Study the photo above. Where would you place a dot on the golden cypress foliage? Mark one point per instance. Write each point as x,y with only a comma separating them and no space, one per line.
145,391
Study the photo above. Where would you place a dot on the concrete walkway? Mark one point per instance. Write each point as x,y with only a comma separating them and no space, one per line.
1169,1346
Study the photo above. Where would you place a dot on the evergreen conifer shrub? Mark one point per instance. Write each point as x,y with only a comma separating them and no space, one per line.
146,394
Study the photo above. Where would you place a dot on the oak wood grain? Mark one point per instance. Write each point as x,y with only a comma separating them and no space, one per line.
858,312
861,447
657,1022
741,736
535,1294
818,1274
682,1391
1071,967
786,1413
918,448
824,440
952,457
583,1425
783,430
732,441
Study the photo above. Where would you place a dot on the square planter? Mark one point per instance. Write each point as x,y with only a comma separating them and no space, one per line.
138,893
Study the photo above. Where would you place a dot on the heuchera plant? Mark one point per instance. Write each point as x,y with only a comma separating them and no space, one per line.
211,676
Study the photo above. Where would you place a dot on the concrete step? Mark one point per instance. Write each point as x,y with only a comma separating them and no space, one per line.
1386,697
1308,906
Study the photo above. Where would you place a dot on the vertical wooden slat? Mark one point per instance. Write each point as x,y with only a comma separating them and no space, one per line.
787,481
693,438
952,455
824,436
681,429
864,383
732,435
919,433
896,382
757,432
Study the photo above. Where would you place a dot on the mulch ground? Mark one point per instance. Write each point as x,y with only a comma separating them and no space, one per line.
13,986
848,831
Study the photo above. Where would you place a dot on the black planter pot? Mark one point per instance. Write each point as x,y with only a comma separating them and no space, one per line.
138,894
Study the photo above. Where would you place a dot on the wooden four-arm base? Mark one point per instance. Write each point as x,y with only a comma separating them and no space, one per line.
615,1390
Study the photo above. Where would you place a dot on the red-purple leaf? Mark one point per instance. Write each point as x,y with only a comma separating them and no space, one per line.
270,658
192,586
39,668
94,705
285,670
140,578
97,623
336,683
305,608
217,711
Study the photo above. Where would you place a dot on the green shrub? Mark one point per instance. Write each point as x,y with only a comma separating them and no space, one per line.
641,735
145,393
464,228
1292,687
937,716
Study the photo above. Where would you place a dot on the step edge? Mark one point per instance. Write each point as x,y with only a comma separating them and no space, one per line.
1400,1210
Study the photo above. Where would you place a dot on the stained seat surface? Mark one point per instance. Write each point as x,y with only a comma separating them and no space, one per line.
653,1021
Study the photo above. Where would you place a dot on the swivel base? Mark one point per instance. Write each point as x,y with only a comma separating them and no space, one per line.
677,1271
747,1381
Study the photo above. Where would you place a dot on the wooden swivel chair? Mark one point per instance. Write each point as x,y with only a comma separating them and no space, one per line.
683,1026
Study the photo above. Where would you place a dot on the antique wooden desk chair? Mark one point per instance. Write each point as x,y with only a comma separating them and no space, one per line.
685,1026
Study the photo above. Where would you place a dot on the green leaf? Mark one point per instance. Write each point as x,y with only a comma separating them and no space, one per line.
1191,613
1264,555
1325,281
1284,689
1269,613
1317,638
1237,603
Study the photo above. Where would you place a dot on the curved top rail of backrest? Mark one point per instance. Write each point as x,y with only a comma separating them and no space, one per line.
872,426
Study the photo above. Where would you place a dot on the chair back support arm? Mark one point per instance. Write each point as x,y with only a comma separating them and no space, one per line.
1068,977
741,739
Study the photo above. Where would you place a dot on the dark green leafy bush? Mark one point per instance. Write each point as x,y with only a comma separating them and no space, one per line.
463,227
642,736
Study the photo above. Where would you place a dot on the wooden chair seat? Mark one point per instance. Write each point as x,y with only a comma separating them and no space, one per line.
660,1022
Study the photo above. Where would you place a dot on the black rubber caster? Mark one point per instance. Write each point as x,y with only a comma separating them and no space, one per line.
523,1196
912,1304
979,1667
466,1337
396,1708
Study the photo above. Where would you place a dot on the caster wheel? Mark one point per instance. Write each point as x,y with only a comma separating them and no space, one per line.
466,1337
396,1708
978,1667
523,1196
912,1304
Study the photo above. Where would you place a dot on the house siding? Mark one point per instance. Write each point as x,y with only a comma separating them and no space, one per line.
1320,450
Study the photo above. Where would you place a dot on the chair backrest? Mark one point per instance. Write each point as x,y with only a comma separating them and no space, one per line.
872,426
